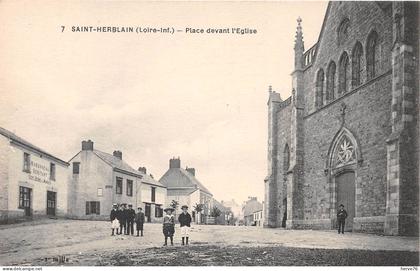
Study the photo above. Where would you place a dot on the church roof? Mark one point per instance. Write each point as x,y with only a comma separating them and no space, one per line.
24,143
182,179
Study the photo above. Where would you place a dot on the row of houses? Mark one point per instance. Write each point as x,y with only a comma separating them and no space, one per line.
36,183
253,211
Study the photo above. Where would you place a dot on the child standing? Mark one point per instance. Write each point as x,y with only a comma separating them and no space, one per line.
140,221
115,224
169,226
185,223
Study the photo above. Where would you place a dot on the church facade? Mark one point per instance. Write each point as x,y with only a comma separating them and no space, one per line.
349,133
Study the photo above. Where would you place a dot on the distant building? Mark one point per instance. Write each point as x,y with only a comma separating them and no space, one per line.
32,182
258,218
236,210
225,214
252,210
183,187
153,197
99,179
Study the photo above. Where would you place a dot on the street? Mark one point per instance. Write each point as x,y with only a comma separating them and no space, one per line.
77,242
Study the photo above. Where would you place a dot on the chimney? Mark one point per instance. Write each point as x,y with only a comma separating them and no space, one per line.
191,170
87,145
117,154
143,170
175,163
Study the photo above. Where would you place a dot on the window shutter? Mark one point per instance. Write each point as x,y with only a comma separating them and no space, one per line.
98,205
87,208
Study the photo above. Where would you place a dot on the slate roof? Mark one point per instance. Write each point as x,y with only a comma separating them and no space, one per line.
119,164
220,206
180,178
20,141
251,207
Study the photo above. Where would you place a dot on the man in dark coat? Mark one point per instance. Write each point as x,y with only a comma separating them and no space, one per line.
341,218
185,223
122,218
113,216
131,214
125,215
139,221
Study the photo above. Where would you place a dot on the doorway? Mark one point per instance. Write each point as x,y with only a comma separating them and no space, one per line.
25,200
51,203
284,208
346,191
147,212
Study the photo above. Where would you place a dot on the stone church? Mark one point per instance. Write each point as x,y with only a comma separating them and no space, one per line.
349,133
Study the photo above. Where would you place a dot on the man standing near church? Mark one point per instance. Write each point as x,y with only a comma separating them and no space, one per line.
131,214
185,223
341,218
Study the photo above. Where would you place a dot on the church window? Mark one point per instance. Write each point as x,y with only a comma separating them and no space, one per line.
343,31
286,159
343,74
356,68
345,153
330,81
371,51
319,93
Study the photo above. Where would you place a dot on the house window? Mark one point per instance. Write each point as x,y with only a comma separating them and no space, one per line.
319,93
93,207
158,211
76,167
52,171
356,68
100,192
330,81
153,197
24,197
119,185
343,74
129,188
26,162
371,51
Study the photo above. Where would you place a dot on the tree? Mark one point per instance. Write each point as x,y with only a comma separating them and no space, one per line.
198,207
174,204
215,212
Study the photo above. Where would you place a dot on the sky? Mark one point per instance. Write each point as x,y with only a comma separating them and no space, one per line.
154,96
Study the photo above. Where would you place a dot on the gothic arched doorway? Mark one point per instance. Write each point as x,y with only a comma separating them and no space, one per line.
346,190
343,157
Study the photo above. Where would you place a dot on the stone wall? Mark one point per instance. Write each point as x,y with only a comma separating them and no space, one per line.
365,112
364,17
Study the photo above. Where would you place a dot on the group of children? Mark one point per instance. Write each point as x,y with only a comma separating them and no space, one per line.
122,220
169,225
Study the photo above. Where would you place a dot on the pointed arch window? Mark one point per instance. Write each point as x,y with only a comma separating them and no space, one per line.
371,54
319,93
356,68
330,81
343,31
343,73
